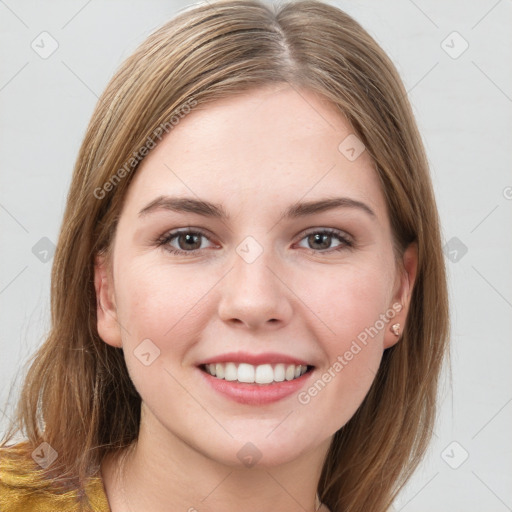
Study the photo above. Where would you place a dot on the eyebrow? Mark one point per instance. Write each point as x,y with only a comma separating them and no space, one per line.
208,209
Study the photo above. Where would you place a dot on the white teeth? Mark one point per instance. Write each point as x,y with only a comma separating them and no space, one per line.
230,372
245,372
219,370
279,372
264,374
261,374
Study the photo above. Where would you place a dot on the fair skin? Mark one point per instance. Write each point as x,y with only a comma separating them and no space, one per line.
256,155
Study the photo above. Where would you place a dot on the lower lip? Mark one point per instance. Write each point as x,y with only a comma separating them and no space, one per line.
256,394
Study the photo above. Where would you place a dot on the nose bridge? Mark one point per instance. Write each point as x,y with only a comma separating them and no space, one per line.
252,263
253,293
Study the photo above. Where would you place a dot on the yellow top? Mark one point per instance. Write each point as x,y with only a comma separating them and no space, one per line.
23,490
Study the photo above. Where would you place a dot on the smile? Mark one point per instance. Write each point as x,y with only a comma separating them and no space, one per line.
252,374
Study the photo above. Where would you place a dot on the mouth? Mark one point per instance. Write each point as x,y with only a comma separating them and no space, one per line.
263,374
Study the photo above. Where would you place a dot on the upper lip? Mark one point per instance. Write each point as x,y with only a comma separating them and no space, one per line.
254,359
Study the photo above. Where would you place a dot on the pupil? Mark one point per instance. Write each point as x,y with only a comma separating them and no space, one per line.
190,239
317,239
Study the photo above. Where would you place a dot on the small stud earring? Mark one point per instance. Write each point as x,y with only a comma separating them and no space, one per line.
396,329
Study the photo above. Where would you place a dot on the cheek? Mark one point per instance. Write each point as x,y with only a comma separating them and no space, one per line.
161,304
164,306
354,309
348,301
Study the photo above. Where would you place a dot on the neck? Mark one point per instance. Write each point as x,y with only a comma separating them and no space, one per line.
162,472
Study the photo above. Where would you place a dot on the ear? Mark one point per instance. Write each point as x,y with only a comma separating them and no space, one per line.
108,326
402,296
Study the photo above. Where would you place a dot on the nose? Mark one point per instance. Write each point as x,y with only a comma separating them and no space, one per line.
255,294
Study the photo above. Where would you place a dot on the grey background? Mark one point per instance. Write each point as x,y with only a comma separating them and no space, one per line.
463,106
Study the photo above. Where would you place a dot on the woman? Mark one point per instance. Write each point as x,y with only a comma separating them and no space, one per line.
249,303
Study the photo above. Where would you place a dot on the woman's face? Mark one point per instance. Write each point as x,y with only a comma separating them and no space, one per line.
262,287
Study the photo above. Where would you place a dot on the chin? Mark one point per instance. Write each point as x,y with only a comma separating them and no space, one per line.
259,451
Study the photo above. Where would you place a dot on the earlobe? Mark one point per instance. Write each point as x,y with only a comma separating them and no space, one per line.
107,324
406,280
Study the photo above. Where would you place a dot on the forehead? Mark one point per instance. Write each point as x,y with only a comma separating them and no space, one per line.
276,144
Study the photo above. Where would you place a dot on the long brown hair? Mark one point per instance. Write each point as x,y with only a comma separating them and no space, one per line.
78,396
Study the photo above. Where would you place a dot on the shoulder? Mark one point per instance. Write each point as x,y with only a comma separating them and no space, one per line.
23,489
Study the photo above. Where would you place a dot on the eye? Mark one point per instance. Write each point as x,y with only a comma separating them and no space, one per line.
188,241
322,239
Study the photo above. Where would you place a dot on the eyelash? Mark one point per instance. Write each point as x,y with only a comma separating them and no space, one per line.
346,243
